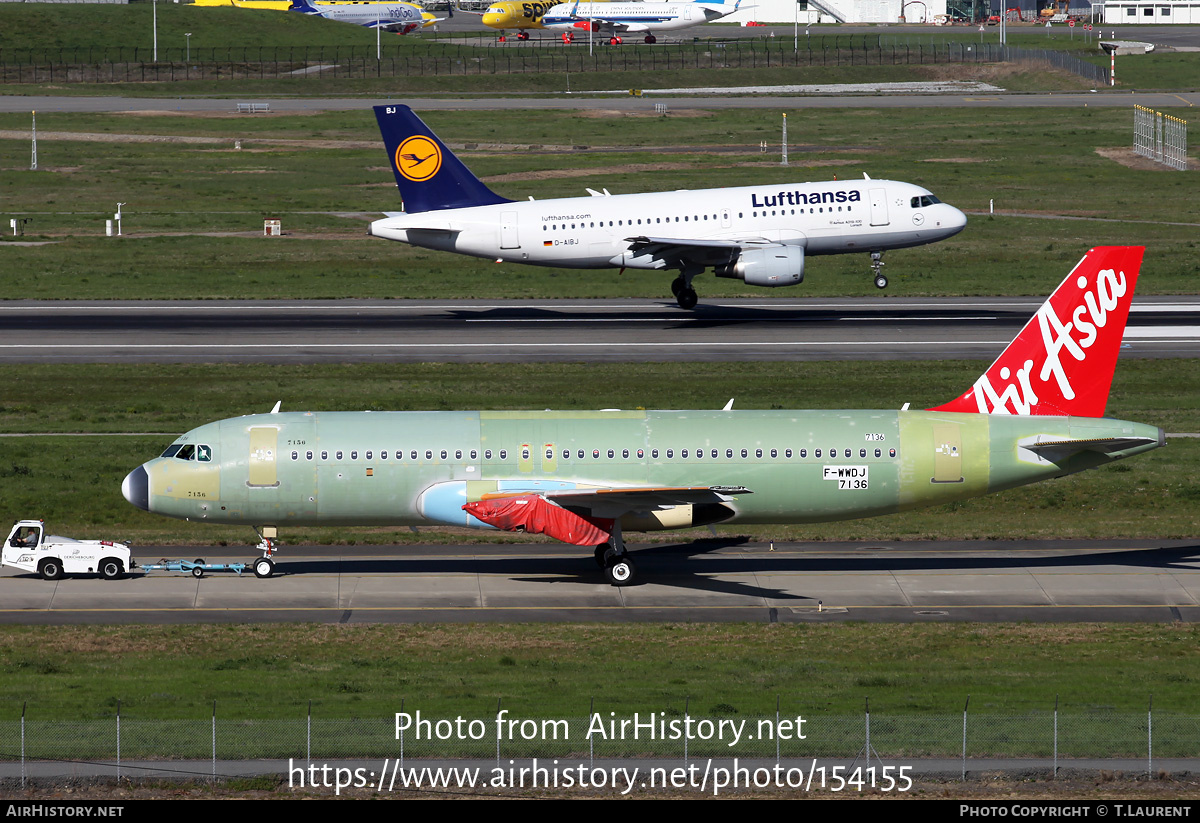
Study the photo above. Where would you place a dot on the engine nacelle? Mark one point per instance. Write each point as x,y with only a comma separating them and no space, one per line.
774,266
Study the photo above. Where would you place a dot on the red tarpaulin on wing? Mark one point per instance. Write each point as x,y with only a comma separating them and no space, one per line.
534,514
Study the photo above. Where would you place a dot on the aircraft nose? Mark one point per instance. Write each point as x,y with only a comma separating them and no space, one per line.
136,488
953,220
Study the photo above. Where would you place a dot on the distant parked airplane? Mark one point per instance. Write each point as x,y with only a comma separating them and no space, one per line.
401,18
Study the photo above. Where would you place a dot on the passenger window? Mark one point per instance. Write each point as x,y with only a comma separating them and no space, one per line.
504,454
369,455
295,455
338,455
354,454
758,452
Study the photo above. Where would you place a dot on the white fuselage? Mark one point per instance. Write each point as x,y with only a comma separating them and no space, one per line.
835,217
384,15
633,16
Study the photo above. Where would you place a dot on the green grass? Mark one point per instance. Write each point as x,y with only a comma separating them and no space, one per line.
74,482
556,671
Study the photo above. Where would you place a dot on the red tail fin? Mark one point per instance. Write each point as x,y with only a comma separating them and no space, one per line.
1062,361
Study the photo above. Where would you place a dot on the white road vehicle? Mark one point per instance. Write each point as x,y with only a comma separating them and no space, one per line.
30,549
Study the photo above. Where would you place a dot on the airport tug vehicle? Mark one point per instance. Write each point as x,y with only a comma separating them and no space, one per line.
30,549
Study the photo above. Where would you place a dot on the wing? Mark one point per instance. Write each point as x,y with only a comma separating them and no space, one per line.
585,517
673,251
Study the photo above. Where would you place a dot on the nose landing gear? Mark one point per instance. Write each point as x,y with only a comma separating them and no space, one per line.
881,281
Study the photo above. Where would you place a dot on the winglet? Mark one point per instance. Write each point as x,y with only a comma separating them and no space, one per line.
1062,362
428,174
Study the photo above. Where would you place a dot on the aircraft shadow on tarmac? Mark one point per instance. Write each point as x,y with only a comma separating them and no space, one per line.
671,564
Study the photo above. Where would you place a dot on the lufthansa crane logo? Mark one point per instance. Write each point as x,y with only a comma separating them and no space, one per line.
418,158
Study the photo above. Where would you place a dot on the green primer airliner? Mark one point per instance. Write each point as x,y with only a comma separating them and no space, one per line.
585,477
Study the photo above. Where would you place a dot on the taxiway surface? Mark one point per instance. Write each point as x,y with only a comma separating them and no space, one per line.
718,579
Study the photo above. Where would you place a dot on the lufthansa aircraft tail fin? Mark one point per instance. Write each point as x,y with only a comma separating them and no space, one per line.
1062,361
428,175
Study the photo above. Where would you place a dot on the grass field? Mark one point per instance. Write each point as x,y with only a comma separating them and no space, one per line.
556,671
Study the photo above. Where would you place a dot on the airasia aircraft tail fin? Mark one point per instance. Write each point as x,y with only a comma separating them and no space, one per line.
1062,361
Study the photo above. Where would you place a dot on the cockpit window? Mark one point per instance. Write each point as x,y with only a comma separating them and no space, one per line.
199,452
924,200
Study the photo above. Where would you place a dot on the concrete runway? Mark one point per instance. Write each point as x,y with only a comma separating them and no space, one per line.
718,579
631,330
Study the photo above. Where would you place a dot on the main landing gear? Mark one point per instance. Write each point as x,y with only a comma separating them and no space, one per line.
522,35
877,270
681,287
615,560
651,39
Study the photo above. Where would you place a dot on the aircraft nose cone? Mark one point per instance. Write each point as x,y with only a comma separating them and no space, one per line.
136,488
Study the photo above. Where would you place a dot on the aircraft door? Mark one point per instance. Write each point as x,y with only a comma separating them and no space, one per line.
879,209
264,446
508,231
726,219
947,454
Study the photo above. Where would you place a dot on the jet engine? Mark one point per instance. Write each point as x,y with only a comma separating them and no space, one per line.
772,266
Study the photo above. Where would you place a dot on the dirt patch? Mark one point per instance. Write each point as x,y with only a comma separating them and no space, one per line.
954,160
1127,158
598,114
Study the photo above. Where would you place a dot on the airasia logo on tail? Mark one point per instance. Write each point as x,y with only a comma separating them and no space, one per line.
1062,361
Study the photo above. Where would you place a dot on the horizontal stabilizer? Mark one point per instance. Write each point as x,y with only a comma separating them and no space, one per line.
1103,445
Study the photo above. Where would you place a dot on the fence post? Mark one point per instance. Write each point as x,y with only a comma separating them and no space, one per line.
591,741
498,699
118,740
964,738
23,705
687,721
308,737
777,728
1150,737
1055,735
214,742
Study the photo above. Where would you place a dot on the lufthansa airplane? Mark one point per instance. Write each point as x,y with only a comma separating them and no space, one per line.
760,235
584,477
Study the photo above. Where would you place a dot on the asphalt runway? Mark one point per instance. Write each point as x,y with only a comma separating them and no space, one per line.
718,579
630,330
618,100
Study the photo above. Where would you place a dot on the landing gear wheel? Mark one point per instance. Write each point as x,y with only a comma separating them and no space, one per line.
110,569
687,298
523,35
614,41
880,281
50,569
197,572
199,561
677,285
263,567
619,570
651,39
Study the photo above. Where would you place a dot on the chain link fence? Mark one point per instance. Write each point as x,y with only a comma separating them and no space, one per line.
605,735
434,59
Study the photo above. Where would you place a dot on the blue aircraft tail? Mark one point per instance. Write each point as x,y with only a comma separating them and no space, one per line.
302,5
429,176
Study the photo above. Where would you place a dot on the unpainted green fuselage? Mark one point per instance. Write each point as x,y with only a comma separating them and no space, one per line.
418,468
